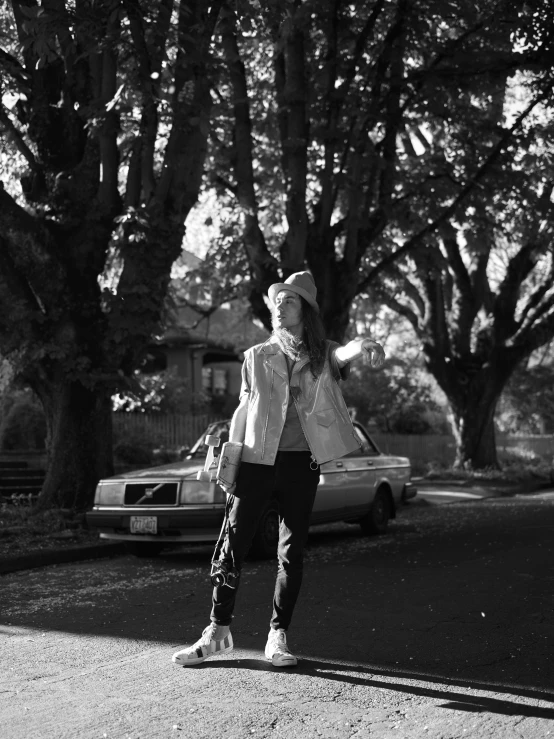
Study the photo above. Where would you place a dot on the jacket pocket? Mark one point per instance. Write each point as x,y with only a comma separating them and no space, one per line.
325,417
344,416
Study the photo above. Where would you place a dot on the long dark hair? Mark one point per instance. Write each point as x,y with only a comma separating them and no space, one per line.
312,342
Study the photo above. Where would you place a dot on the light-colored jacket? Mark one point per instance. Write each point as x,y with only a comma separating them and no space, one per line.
321,408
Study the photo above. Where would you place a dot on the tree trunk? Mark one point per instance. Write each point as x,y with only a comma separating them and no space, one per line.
473,428
79,424
473,394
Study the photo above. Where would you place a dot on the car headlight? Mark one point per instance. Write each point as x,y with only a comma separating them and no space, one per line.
109,493
196,492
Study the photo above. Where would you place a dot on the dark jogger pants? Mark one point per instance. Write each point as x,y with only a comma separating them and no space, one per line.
294,483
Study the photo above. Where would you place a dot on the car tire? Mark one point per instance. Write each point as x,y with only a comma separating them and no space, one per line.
143,548
266,538
376,520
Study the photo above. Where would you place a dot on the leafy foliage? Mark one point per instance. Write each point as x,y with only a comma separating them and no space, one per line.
396,398
23,425
159,392
527,405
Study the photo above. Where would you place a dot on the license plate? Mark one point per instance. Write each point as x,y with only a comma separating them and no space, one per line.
144,525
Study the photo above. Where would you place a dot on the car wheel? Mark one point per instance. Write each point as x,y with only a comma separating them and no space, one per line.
376,520
143,548
266,538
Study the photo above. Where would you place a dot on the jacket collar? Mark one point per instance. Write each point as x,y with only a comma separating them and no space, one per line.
276,359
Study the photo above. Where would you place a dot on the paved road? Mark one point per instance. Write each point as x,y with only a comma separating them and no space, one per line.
442,629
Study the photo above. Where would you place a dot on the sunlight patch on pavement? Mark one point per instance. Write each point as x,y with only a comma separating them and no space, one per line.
545,495
87,587
450,494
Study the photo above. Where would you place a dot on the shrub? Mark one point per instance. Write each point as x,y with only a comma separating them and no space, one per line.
23,424
135,448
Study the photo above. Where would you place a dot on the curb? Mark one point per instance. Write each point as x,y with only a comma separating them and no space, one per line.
60,556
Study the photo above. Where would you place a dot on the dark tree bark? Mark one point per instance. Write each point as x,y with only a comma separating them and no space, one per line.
79,440
263,265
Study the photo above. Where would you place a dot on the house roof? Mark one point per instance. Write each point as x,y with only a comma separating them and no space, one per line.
228,327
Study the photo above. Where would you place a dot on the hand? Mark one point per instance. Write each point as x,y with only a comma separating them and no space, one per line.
229,490
373,353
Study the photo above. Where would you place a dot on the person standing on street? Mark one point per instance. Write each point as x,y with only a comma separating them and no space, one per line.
291,418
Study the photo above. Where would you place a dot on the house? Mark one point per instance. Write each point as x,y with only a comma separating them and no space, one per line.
208,351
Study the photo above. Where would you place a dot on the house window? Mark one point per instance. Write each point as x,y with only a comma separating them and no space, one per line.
219,386
214,380
207,379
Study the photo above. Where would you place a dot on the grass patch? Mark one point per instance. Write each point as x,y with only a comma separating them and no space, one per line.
516,467
25,531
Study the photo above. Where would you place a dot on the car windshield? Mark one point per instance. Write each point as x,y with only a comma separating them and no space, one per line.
220,429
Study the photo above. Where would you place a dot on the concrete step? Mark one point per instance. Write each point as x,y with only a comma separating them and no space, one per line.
35,477
26,488
13,464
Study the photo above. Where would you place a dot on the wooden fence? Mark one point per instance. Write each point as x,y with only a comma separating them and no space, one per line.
177,431
423,449
163,430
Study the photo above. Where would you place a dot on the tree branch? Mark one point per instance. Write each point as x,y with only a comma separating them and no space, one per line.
108,190
150,66
393,112
472,290
262,263
519,267
295,144
536,298
19,141
540,333
11,66
418,78
191,104
407,288
403,310
448,235
32,251
18,295
325,209
359,48
451,209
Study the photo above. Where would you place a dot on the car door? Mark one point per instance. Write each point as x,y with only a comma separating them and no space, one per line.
360,475
329,500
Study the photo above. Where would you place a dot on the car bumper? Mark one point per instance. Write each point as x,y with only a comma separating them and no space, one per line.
193,525
409,491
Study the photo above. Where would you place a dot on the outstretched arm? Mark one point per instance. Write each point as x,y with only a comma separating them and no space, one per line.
358,348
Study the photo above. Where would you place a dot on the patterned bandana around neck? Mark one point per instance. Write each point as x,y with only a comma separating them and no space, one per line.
289,344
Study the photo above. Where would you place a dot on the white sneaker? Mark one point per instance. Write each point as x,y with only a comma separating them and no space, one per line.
205,647
276,649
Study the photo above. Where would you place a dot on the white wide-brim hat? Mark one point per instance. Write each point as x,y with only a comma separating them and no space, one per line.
301,283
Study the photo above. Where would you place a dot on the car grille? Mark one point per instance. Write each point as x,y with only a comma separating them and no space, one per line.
151,493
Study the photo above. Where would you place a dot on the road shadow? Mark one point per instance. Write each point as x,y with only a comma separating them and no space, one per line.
369,678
